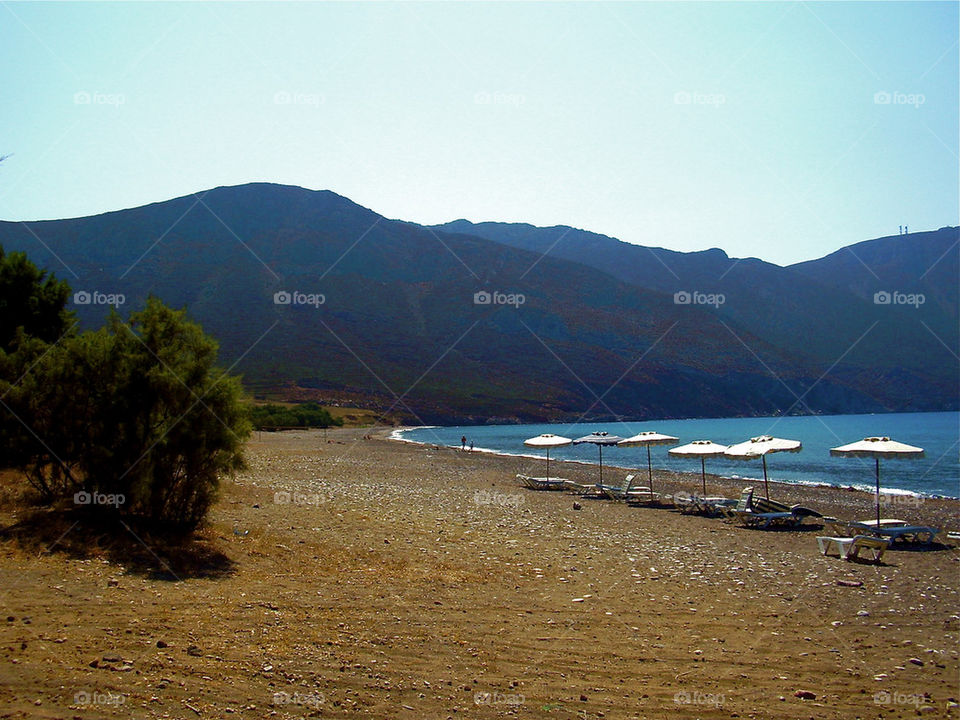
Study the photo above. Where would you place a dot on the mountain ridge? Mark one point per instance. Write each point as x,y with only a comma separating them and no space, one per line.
398,326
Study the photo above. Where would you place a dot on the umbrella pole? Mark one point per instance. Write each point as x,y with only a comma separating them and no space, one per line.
600,448
548,464
703,476
878,492
649,470
766,486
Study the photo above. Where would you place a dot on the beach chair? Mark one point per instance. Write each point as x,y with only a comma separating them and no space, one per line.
587,490
535,483
743,504
849,548
906,534
766,514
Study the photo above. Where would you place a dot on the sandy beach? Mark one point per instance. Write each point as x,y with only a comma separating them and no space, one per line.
359,577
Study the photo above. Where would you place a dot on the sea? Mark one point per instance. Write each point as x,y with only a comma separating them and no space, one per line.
937,474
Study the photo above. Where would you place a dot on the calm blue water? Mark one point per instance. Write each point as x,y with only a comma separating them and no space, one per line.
938,473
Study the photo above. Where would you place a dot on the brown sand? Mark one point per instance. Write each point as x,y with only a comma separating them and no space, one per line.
411,582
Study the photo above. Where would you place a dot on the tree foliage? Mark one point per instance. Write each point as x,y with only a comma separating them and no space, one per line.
136,411
309,414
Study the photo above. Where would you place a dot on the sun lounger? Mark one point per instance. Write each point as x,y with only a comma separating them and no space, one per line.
884,522
616,492
764,513
743,504
535,483
709,506
907,534
849,548
582,489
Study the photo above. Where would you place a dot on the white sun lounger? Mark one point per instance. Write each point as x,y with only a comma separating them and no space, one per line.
849,548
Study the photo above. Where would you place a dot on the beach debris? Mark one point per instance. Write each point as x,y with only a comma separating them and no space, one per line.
850,583
577,506
805,695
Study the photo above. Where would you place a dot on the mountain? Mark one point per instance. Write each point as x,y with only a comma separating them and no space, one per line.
312,295
823,311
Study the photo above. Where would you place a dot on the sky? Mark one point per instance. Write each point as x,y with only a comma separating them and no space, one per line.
775,130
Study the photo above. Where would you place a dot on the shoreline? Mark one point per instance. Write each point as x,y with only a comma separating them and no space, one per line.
396,436
845,503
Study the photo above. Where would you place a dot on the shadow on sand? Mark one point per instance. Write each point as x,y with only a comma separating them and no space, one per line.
136,546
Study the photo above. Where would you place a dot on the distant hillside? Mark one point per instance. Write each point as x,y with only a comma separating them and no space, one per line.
821,311
383,313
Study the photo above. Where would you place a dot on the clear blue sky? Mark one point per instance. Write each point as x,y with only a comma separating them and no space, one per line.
755,127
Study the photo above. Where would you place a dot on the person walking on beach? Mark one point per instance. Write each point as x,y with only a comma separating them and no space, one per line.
471,446
463,442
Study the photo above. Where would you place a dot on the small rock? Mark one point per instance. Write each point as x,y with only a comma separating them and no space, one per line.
583,698
161,644
194,651
805,695
577,506
849,583
916,661
113,582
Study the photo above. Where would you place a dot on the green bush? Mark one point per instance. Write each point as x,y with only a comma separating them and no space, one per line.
137,412
309,414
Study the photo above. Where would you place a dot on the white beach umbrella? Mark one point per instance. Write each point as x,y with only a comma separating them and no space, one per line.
547,441
760,447
702,449
876,448
599,439
649,438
